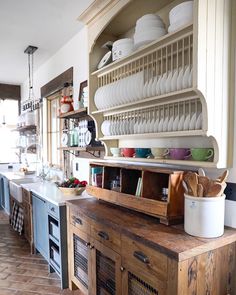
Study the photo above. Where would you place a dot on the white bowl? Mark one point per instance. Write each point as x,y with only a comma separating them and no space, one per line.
147,29
146,37
150,23
181,11
148,17
122,48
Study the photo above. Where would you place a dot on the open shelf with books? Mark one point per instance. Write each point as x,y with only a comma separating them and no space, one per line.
151,190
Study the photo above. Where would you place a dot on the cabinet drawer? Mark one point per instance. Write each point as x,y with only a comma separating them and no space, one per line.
53,210
106,236
26,196
79,221
144,258
54,230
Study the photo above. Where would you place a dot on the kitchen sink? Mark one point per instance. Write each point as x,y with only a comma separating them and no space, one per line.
16,189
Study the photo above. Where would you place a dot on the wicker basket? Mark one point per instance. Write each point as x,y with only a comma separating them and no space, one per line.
71,190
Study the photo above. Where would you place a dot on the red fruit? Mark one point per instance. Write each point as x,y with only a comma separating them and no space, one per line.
76,181
83,183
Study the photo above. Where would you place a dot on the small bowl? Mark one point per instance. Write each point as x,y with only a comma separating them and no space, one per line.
72,190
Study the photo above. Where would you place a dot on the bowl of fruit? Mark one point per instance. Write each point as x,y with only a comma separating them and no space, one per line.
72,186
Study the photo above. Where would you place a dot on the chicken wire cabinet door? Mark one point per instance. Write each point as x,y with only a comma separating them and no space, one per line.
136,283
80,264
107,270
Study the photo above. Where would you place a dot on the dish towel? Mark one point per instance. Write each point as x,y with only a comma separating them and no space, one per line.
17,218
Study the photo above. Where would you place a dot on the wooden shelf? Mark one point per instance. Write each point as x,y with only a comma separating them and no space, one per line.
82,149
176,96
74,114
25,128
184,133
136,54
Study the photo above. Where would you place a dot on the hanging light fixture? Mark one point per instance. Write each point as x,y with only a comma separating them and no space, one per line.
31,104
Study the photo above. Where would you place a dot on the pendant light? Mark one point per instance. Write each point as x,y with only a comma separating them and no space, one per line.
31,104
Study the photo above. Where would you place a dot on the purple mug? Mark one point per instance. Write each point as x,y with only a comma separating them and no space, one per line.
179,153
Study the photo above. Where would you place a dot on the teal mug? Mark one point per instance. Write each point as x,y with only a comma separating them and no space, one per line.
202,154
142,152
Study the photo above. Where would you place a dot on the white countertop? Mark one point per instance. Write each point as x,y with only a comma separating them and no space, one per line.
50,192
10,175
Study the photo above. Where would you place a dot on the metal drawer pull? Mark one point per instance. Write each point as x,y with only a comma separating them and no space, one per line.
87,244
103,235
53,209
142,257
77,220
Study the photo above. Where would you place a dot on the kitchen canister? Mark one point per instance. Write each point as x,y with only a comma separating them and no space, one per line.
204,217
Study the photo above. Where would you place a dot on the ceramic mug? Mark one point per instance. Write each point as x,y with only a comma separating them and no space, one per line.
159,153
180,153
115,152
202,154
128,152
142,152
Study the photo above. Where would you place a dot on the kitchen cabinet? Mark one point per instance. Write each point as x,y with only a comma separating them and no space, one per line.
5,194
196,46
40,225
94,267
28,217
130,253
57,237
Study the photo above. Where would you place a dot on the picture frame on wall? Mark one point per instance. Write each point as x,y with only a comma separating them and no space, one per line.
83,92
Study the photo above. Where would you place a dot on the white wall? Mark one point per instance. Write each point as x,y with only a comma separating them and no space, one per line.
72,54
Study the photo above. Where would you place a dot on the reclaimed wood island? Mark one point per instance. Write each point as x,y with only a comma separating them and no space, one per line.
113,250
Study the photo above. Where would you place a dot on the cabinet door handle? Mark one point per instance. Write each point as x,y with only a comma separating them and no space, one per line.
103,235
77,220
87,244
141,256
53,209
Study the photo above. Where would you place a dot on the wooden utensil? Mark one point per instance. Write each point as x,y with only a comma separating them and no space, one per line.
204,181
214,190
223,177
185,187
199,190
201,172
191,179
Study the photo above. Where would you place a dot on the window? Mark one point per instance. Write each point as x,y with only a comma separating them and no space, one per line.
54,127
9,111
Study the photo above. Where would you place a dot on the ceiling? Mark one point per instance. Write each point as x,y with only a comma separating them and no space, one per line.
47,24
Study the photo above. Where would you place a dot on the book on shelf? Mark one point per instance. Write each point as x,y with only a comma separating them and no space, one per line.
139,187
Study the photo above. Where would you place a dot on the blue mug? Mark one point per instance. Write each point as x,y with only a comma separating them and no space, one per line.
142,152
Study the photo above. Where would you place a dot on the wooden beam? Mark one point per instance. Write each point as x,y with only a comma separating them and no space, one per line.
8,91
57,83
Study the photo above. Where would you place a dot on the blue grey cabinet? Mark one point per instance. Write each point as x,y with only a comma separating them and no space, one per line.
40,225
2,198
6,194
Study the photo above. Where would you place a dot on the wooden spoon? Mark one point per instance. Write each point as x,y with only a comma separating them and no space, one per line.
199,190
204,181
223,177
214,190
192,181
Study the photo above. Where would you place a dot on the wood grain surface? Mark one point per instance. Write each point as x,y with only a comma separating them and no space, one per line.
170,240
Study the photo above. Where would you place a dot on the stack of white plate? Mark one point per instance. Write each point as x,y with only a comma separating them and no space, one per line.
148,28
122,48
180,15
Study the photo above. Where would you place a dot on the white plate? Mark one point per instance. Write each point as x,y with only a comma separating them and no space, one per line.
165,124
174,81
180,79
175,123
105,60
87,137
168,82
186,122
160,125
154,84
199,122
163,84
170,124
186,77
192,123
181,123
158,86
156,124
145,89
190,79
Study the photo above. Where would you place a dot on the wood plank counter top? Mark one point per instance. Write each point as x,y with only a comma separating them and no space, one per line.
170,240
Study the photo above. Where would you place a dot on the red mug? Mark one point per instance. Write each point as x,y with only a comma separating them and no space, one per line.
128,152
